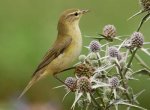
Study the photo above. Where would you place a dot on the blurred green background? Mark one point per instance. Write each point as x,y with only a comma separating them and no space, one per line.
28,29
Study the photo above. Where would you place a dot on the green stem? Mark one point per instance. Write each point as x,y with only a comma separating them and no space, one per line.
123,82
110,98
130,61
97,92
98,58
94,100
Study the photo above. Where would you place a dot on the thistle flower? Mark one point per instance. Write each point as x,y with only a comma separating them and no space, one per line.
94,46
84,70
113,52
71,83
84,84
137,40
145,4
114,82
109,31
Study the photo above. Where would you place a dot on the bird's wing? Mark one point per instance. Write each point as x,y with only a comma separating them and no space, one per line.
59,46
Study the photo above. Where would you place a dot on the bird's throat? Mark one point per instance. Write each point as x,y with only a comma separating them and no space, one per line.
70,29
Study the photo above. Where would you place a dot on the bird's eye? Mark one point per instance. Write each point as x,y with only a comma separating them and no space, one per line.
76,14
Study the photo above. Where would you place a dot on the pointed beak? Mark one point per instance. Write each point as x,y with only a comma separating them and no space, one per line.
84,11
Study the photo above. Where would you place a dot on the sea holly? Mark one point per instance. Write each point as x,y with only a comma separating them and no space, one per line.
101,76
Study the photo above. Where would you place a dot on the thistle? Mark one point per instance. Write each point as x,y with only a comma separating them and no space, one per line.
102,76
137,40
109,31
114,82
145,4
94,46
84,70
71,83
84,84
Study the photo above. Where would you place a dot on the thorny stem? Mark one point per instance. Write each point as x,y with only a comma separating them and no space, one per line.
124,72
130,61
94,100
111,96
123,82
99,62
100,98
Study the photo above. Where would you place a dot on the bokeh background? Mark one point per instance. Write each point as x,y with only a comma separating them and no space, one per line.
29,27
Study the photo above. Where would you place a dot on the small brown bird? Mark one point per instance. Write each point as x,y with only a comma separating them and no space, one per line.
65,50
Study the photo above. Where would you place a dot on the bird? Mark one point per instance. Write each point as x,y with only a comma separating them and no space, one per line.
65,49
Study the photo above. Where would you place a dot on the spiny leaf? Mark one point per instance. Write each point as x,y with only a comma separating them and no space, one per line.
143,72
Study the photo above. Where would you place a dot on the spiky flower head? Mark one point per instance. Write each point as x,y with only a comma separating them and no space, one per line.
114,53
84,70
145,5
137,40
114,82
84,84
109,31
82,58
94,46
71,83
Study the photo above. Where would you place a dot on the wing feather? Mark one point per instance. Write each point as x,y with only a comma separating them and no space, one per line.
59,46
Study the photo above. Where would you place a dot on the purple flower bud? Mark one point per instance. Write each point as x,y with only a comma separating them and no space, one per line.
114,53
71,83
114,81
109,31
95,46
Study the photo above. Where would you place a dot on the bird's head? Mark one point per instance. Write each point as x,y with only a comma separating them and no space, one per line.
71,17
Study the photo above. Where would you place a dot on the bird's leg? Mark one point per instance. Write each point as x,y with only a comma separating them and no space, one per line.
67,69
55,76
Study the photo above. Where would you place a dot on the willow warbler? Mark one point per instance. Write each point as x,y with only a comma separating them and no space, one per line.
65,49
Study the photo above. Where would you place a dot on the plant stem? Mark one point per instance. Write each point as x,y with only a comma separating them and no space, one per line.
98,58
94,100
97,92
130,61
123,82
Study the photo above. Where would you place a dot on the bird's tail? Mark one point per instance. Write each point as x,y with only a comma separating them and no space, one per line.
33,80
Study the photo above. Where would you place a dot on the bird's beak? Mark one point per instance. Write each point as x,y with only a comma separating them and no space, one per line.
84,11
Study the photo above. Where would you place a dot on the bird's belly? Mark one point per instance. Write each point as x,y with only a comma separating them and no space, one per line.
64,60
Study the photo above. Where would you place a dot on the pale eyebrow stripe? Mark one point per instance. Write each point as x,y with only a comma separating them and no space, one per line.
71,13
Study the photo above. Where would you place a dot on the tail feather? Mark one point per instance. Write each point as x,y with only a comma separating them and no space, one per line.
33,80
